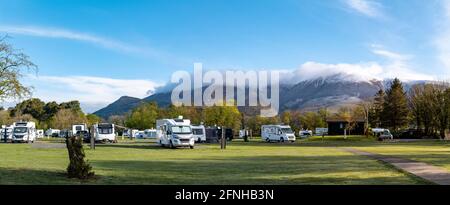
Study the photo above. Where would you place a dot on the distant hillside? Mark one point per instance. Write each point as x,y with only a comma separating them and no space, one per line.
330,92
119,107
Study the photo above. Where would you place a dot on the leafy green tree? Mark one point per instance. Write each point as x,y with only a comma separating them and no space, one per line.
312,120
92,119
65,118
34,107
395,112
143,117
50,110
71,105
228,116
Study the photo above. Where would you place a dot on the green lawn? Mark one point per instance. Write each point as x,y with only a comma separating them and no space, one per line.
310,161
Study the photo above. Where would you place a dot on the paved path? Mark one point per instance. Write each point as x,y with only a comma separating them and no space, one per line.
428,172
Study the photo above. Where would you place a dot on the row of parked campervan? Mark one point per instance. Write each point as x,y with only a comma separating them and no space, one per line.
20,132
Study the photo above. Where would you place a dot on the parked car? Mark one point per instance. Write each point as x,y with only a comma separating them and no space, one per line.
85,134
385,135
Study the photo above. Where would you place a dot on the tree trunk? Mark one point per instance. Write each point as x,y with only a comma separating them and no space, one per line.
78,167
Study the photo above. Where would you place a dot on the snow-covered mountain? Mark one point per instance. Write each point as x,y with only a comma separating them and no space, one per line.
331,91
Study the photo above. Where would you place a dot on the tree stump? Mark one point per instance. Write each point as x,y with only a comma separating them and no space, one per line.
78,167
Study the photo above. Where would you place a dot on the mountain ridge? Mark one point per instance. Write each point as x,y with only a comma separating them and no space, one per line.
331,92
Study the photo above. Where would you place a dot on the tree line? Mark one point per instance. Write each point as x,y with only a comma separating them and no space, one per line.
47,115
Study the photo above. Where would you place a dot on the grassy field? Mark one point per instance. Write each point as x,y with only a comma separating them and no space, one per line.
310,161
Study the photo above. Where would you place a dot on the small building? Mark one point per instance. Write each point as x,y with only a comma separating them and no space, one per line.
336,126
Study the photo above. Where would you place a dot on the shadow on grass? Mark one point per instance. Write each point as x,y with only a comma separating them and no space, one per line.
131,146
269,170
257,170
10,176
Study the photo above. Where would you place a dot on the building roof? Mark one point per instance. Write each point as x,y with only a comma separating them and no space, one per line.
340,119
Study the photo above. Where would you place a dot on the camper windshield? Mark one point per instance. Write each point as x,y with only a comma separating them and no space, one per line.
197,131
181,130
20,129
105,130
287,130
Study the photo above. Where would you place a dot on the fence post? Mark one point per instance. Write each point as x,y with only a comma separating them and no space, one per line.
92,138
223,140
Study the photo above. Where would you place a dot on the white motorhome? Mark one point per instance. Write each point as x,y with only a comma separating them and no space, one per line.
321,131
175,133
139,135
198,132
78,127
305,133
104,132
149,134
9,133
40,134
243,133
24,132
280,133
382,134
52,132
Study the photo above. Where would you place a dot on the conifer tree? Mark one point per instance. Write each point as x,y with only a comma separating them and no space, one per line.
395,112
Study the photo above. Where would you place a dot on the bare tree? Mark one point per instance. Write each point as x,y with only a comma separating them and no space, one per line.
12,65
366,107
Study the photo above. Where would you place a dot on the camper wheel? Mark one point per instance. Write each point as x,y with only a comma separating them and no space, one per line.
192,147
171,145
267,140
281,139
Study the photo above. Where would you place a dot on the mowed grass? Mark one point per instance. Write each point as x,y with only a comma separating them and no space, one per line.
310,161
433,152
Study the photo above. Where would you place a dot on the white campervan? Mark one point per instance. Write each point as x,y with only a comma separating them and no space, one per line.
78,128
149,134
52,132
280,133
24,132
320,131
198,132
40,134
9,133
175,133
104,132
305,133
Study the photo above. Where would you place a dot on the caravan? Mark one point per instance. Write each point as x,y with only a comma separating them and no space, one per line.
175,133
280,133
305,133
24,132
104,132
52,132
149,134
78,128
199,133
9,133
40,134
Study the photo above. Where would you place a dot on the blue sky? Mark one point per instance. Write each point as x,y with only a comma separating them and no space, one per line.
85,49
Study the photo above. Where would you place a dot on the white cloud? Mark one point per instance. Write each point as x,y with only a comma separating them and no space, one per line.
79,36
92,92
368,8
396,66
